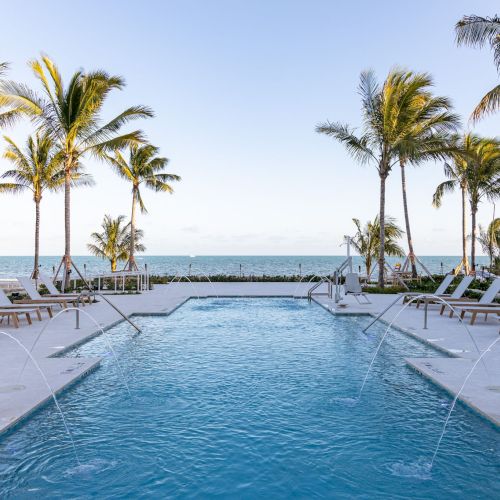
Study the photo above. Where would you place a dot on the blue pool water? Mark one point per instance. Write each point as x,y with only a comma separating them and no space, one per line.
252,398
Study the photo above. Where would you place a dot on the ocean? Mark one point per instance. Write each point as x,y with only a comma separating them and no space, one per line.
257,265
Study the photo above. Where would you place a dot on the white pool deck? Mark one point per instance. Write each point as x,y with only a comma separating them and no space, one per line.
20,394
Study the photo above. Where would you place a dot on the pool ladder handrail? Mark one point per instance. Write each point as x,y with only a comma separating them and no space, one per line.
90,293
324,279
338,274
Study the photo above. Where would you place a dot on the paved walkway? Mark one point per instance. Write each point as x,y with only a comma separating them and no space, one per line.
21,393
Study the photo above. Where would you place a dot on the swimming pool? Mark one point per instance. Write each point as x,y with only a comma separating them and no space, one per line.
251,398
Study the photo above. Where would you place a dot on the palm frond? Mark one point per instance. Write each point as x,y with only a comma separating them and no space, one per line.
488,104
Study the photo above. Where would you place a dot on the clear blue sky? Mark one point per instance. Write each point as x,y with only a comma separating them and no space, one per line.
238,87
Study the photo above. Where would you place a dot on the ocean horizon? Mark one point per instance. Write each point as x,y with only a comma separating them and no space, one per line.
244,265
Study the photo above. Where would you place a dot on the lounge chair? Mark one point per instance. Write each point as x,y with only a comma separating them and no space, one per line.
6,304
475,310
352,286
55,293
440,290
14,315
485,301
457,295
36,298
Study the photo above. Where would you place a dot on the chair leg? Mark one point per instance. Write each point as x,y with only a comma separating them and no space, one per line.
28,318
39,315
15,320
49,311
473,318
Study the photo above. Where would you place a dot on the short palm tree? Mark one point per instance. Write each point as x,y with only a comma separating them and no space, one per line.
366,241
71,115
477,31
113,243
388,111
143,167
37,168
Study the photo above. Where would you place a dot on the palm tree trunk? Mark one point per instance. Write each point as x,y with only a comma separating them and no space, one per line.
67,226
465,258
37,239
473,238
113,265
132,266
411,254
381,256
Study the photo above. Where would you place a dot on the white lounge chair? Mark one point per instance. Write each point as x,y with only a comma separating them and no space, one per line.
485,301
54,292
6,304
457,295
15,313
36,298
440,290
352,286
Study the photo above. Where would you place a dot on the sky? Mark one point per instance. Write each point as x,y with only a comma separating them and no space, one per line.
237,88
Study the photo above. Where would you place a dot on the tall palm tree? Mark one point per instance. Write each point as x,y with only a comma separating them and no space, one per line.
143,167
113,243
456,172
367,240
477,31
71,115
37,168
489,239
387,110
483,180
476,170
425,136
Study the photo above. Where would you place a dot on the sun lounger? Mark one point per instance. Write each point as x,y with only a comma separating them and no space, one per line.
440,290
352,286
475,310
485,301
457,295
55,293
36,298
5,303
14,315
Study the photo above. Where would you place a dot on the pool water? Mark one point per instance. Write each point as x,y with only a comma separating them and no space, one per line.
252,398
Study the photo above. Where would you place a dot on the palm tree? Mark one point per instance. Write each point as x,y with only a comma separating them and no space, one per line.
489,239
113,243
477,31
38,168
456,172
367,240
71,115
425,136
483,180
143,167
385,138
476,170
6,116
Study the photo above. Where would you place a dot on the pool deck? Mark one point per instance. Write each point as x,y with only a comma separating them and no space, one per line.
23,391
